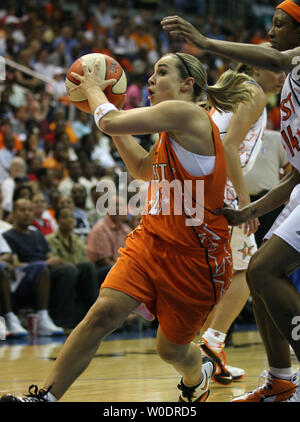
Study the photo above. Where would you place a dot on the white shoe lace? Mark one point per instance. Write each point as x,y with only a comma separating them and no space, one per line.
296,396
265,374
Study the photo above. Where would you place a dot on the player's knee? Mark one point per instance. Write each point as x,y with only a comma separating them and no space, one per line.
104,316
255,274
169,354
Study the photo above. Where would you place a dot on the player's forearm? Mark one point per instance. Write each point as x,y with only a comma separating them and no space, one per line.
134,156
95,97
254,55
235,174
273,199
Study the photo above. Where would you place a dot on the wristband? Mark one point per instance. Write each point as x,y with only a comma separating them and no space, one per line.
102,110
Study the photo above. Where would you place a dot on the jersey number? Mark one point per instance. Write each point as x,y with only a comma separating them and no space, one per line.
290,140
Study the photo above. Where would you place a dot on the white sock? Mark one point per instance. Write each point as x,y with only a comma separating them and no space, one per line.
215,339
51,397
283,373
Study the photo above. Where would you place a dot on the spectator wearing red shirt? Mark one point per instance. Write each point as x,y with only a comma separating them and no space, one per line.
41,220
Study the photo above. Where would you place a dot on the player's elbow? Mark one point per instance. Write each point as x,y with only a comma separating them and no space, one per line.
281,63
108,125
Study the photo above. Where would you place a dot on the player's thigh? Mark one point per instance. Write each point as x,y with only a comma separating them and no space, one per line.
276,257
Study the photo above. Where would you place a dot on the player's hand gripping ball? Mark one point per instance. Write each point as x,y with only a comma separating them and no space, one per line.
107,68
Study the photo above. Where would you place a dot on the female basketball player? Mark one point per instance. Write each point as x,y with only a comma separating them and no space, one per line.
276,300
177,263
241,133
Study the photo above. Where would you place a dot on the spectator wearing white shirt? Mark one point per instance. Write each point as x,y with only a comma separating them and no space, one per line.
17,170
103,16
7,153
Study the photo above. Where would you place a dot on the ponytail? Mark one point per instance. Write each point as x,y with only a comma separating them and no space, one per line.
225,95
229,91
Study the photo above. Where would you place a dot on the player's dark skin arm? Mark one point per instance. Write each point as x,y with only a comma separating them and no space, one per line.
254,55
272,200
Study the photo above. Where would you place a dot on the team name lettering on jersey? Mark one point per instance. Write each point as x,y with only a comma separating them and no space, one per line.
287,107
159,172
289,131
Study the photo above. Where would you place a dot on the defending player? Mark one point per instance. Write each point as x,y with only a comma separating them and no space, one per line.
242,134
276,301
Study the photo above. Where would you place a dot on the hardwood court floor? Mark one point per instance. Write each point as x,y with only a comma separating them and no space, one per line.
124,370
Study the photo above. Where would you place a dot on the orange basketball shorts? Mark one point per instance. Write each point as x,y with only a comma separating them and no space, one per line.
179,287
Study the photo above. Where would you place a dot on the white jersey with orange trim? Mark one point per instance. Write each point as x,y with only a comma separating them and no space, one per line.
248,149
286,225
290,119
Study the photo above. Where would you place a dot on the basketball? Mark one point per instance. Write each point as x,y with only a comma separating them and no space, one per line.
109,69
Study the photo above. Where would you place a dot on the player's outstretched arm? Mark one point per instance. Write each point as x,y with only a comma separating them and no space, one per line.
272,200
254,55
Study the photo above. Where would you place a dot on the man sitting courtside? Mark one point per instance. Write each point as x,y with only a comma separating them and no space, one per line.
30,246
24,285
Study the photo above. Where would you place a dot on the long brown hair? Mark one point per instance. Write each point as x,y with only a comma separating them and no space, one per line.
225,95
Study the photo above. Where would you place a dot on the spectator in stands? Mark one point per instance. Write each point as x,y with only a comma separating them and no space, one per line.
42,219
30,246
103,15
108,235
17,171
134,92
80,212
58,86
5,130
66,37
57,160
46,182
59,57
23,191
74,173
42,64
24,284
25,79
6,155
64,243
96,214
7,273
88,180
82,125
18,122
31,145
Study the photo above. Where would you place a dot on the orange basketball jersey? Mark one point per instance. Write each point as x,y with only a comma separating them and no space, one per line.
178,260
179,208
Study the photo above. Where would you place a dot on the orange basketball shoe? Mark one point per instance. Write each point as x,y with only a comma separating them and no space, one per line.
273,390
